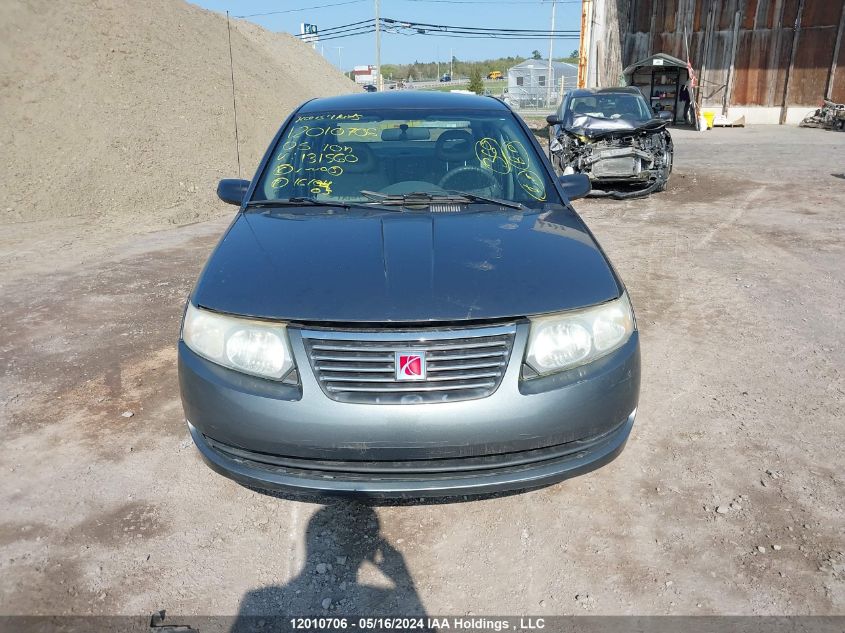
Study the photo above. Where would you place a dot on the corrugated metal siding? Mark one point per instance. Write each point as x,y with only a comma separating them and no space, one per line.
764,45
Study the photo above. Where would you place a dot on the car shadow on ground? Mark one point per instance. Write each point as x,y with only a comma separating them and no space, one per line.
349,570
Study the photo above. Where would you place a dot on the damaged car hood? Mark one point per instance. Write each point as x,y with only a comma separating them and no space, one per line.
593,127
381,267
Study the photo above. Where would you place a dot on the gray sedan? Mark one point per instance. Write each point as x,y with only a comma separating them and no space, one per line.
406,305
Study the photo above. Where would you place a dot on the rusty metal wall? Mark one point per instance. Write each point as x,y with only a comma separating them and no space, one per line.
783,52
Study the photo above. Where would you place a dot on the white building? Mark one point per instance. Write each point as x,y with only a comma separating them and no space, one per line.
364,75
529,84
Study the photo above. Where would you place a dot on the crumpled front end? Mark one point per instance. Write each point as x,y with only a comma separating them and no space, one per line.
621,161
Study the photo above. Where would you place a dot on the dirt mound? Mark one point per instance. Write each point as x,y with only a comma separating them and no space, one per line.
121,112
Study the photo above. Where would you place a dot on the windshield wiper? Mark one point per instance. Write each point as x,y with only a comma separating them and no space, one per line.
295,202
423,198
300,201
476,198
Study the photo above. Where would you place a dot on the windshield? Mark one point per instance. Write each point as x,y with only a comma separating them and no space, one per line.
334,156
610,106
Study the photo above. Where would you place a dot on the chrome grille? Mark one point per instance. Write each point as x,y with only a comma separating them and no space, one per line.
359,366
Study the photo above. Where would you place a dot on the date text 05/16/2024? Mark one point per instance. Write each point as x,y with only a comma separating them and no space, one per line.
417,623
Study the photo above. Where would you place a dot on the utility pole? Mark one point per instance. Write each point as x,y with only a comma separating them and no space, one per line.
584,47
549,81
451,69
340,57
379,82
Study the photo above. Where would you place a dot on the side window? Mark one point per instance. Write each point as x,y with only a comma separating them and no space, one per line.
519,81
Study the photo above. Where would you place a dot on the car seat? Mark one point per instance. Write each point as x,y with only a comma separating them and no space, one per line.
455,148
364,173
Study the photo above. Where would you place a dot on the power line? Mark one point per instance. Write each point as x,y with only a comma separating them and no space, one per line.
403,27
475,29
332,30
500,2
321,6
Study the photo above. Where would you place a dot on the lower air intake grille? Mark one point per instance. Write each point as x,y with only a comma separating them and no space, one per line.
361,366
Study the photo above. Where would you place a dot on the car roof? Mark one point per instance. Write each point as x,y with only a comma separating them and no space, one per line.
586,92
410,99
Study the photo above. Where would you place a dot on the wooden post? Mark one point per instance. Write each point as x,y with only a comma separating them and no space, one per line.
726,97
774,56
792,55
828,93
708,36
652,33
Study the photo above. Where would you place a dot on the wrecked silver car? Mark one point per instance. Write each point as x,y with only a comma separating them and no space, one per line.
611,135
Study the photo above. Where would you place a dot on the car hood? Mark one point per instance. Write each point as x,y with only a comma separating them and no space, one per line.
381,267
599,127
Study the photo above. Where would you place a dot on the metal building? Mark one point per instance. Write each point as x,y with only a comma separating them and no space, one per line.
529,84
768,60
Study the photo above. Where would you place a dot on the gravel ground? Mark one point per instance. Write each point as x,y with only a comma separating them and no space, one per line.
727,499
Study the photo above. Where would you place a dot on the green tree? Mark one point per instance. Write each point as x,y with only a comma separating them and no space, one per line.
476,85
574,54
535,54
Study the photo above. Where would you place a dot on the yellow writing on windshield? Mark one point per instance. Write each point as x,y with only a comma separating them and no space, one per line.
320,186
512,157
517,156
356,116
532,184
316,131
489,154
315,185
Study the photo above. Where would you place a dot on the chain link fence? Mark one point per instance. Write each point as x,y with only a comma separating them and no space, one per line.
532,89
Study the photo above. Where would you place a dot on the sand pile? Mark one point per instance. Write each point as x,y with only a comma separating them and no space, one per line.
121,112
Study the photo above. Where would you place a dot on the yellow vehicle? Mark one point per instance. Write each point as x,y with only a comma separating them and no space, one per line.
496,74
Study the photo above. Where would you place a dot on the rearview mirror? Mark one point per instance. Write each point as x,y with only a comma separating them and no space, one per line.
553,119
575,185
232,190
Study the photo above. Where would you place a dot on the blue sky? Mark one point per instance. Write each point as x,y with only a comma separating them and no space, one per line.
360,49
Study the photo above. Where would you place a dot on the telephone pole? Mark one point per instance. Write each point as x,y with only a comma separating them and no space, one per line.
549,81
379,83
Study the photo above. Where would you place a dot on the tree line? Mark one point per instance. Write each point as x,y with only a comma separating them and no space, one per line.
421,71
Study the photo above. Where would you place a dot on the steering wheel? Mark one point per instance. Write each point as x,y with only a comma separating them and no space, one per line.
494,186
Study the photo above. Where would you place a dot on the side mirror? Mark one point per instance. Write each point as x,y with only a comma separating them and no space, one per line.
575,185
553,119
232,190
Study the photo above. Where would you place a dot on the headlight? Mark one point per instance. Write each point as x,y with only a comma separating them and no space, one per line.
252,347
566,340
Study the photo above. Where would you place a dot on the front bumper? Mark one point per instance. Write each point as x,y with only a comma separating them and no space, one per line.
431,478
529,433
